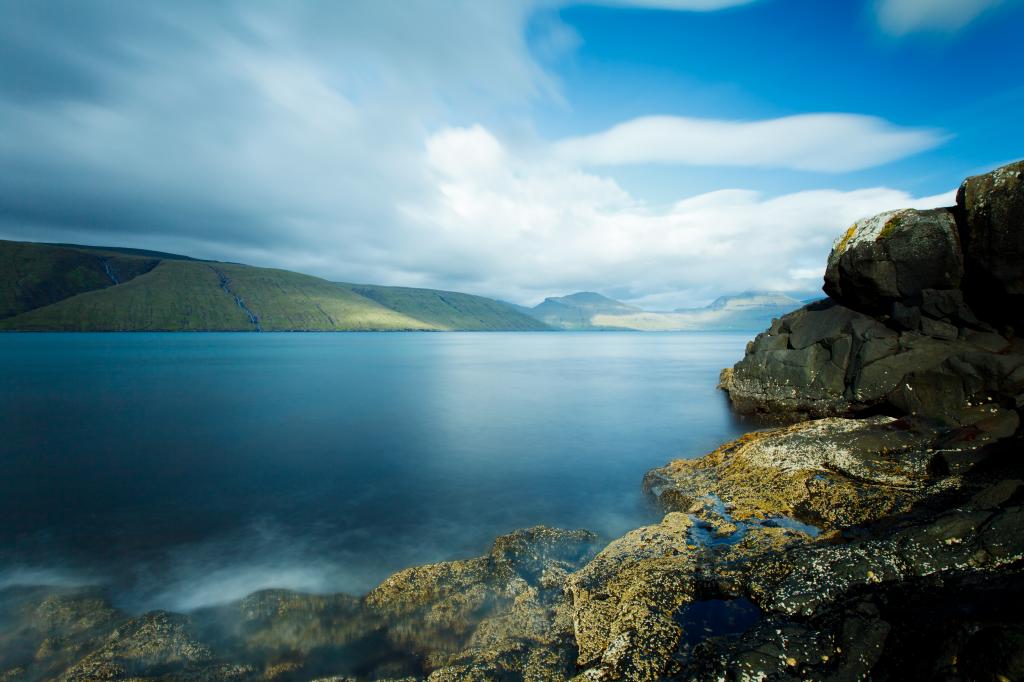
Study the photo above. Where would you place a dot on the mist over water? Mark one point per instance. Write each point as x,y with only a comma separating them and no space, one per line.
187,470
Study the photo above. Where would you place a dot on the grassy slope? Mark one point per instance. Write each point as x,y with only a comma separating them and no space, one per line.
175,295
188,296
451,310
67,288
35,275
284,301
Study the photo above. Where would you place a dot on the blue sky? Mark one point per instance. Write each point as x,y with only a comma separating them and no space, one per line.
660,151
781,57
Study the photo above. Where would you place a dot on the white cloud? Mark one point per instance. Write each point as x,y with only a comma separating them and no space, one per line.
319,138
900,17
527,228
809,142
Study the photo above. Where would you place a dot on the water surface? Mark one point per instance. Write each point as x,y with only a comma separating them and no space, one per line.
183,470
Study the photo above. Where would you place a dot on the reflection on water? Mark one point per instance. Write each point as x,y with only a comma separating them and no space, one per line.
183,471
716,618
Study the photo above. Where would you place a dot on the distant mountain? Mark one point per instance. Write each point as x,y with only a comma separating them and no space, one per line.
49,287
748,300
749,311
577,311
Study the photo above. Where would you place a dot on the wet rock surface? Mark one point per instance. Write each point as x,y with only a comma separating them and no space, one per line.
882,539
483,618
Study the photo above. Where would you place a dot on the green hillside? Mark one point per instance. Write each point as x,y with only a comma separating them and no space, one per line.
449,309
35,275
73,288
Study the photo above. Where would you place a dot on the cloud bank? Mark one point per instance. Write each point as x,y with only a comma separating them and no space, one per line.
359,141
525,226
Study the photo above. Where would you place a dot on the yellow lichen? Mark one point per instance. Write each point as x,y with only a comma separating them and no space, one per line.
890,225
845,241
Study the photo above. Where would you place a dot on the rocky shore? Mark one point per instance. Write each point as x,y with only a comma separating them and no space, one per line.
875,532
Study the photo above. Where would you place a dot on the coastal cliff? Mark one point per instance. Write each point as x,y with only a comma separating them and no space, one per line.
875,532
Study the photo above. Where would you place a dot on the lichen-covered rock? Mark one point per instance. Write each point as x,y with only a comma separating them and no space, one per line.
623,601
501,615
991,213
832,473
894,256
154,641
498,614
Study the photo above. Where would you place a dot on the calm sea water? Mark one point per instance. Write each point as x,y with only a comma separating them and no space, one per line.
183,470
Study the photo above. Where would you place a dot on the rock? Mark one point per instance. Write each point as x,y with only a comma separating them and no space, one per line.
831,473
494,615
897,333
825,359
894,257
800,367
999,494
995,653
623,601
990,209
157,640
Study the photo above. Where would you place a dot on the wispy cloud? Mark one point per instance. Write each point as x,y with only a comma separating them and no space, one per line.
900,17
810,142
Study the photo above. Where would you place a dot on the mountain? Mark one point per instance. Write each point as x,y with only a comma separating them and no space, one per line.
749,311
65,287
578,310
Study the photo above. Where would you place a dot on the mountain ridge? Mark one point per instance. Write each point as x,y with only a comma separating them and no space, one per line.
75,287
49,287
750,310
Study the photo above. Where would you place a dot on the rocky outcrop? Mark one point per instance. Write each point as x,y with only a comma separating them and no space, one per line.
917,319
895,257
990,211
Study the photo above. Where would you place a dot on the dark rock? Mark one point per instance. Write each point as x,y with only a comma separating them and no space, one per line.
990,209
841,362
894,256
1004,492
995,653
801,365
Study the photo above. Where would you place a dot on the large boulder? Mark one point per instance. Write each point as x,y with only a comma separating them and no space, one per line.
894,257
991,212
825,359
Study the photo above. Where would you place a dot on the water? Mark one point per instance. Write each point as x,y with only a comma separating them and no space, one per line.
185,470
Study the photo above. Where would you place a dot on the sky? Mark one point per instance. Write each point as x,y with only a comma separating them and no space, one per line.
662,152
